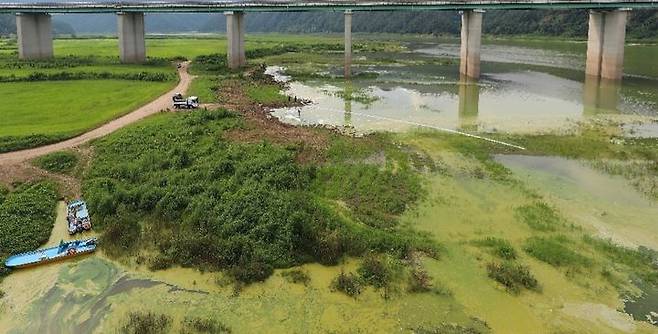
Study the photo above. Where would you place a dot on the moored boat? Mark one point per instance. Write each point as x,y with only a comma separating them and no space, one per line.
65,250
77,216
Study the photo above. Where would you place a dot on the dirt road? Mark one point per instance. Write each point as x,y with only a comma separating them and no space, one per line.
162,102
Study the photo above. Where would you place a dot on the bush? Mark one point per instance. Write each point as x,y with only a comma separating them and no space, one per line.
193,325
539,216
377,270
27,215
419,281
554,251
58,162
242,207
146,323
296,276
512,276
500,247
348,284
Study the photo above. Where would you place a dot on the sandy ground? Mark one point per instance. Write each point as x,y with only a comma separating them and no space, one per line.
161,103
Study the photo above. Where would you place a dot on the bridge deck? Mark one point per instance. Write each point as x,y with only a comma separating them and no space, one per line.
327,5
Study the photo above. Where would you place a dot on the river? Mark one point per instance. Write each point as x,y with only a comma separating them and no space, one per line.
526,87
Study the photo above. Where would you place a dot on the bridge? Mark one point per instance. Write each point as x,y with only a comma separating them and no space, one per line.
605,45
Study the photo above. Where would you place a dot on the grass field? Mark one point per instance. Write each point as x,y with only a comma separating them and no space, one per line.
67,108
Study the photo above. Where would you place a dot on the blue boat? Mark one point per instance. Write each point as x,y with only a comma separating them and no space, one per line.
65,250
77,216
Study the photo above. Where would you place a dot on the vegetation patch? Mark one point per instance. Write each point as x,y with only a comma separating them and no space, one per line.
27,215
555,251
246,208
513,276
349,284
58,162
266,94
499,247
146,323
641,261
296,276
194,325
379,271
539,216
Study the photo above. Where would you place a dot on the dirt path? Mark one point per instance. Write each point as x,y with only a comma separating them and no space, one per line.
161,103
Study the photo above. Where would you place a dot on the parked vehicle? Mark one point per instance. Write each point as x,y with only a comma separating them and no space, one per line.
77,216
191,102
65,250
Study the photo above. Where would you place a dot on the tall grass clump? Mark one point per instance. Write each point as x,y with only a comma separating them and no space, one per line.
513,276
643,262
499,247
146,323
349,284
555,251
58,162
172,184
539,216
195,325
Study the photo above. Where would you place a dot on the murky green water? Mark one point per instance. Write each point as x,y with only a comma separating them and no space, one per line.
523,89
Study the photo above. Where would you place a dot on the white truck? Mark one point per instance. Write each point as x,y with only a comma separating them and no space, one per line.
180,102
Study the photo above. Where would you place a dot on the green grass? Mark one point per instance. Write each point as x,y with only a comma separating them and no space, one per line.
539,216
27,215
266,94
204,87
499,247
58,162
555,251
44,112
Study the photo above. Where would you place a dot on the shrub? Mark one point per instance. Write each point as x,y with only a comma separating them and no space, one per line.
512,276
146,323
194,325
27,215
348,284
419,281
539,216
555,252
377,270
296,276
58,162
242,207
500,247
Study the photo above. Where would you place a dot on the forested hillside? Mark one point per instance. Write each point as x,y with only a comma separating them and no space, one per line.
643,23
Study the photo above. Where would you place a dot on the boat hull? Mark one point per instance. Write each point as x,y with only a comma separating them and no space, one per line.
64,251
51,260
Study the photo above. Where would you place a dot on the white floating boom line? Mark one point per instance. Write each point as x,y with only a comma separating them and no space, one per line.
424,126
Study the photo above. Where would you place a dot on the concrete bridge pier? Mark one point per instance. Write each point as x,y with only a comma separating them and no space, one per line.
605,44
35,40
471,36
235,29
348,44
132,47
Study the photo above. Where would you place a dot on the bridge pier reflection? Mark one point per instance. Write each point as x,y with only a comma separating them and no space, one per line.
600,96
347,97
469,100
